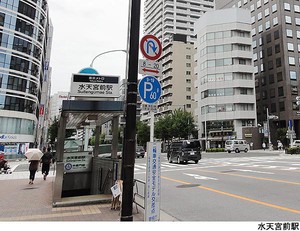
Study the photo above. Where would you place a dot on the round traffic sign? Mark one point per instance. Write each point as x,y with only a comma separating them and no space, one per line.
149,89
150,47
68,166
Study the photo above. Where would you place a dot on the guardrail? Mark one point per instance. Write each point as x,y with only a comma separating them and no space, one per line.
139,193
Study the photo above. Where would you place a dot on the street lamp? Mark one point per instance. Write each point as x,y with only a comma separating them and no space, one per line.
91,65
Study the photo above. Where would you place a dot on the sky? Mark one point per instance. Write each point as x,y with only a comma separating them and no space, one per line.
81,31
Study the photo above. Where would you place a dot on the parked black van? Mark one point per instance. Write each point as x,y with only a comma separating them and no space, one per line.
184,151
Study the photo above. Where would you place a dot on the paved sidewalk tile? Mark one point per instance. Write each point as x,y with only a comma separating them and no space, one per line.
23,202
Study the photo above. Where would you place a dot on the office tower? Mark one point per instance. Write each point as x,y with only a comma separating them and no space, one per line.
225,84
276,47
56,104
172,22
26,35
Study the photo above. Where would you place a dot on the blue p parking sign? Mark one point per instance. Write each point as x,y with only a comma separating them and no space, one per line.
149,89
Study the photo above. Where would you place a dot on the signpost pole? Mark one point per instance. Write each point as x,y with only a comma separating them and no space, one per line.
128,157
150,92
151,126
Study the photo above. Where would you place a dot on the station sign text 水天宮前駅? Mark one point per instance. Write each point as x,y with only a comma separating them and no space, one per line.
95,85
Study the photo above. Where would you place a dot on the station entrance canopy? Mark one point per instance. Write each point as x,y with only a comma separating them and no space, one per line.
80,113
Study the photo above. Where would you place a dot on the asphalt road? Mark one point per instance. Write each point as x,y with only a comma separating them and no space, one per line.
230,187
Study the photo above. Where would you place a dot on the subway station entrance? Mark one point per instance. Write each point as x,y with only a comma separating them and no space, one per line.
86,172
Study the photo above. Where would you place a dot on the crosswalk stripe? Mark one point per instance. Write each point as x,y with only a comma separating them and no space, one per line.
140,166
169,166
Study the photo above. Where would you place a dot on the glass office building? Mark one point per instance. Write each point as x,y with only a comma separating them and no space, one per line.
25,42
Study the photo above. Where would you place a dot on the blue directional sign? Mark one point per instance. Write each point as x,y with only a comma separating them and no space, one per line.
149,89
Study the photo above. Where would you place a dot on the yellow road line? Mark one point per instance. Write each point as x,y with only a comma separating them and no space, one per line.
251,177
237,196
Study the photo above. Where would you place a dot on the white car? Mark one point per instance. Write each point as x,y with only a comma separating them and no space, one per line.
296,143
236,146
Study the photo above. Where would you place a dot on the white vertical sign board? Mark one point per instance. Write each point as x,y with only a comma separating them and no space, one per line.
152,195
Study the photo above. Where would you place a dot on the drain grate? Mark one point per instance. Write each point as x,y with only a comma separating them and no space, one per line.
187,185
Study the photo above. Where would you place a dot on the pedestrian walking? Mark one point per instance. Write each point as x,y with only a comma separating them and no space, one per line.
46,161
33,167
280,145
264,146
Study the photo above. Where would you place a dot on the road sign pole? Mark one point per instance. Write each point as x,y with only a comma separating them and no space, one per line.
128,156
152,126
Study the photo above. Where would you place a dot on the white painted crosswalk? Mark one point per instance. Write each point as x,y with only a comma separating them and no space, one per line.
288,163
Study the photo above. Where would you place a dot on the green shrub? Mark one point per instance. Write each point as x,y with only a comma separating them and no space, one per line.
294,150
215,150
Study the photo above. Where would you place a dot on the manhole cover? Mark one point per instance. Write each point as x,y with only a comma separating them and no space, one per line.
187,185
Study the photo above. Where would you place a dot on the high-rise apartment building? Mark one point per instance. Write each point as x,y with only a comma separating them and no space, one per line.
172,22
178,76
276,46
225,85
163,18
25,39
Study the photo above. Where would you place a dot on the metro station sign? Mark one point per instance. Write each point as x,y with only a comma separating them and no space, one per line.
91,85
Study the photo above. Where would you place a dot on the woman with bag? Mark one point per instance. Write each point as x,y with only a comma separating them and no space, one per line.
33,167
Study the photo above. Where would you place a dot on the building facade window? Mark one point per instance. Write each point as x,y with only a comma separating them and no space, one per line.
290,46
287,6
293,75
292,61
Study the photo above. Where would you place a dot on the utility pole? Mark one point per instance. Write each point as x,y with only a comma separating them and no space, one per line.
269,131
128,157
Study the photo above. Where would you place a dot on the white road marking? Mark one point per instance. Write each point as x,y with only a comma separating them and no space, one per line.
246,170
198,177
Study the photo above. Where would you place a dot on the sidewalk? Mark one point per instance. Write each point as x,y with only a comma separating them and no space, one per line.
23,202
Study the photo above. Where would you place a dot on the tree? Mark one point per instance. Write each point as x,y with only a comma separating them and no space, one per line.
182,124
281,135
143,133
162,128
53,131
179,124
101,139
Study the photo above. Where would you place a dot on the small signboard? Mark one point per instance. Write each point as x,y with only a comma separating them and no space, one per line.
152,194
91,85
290,133
115,190
77,162
148,67
149,107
